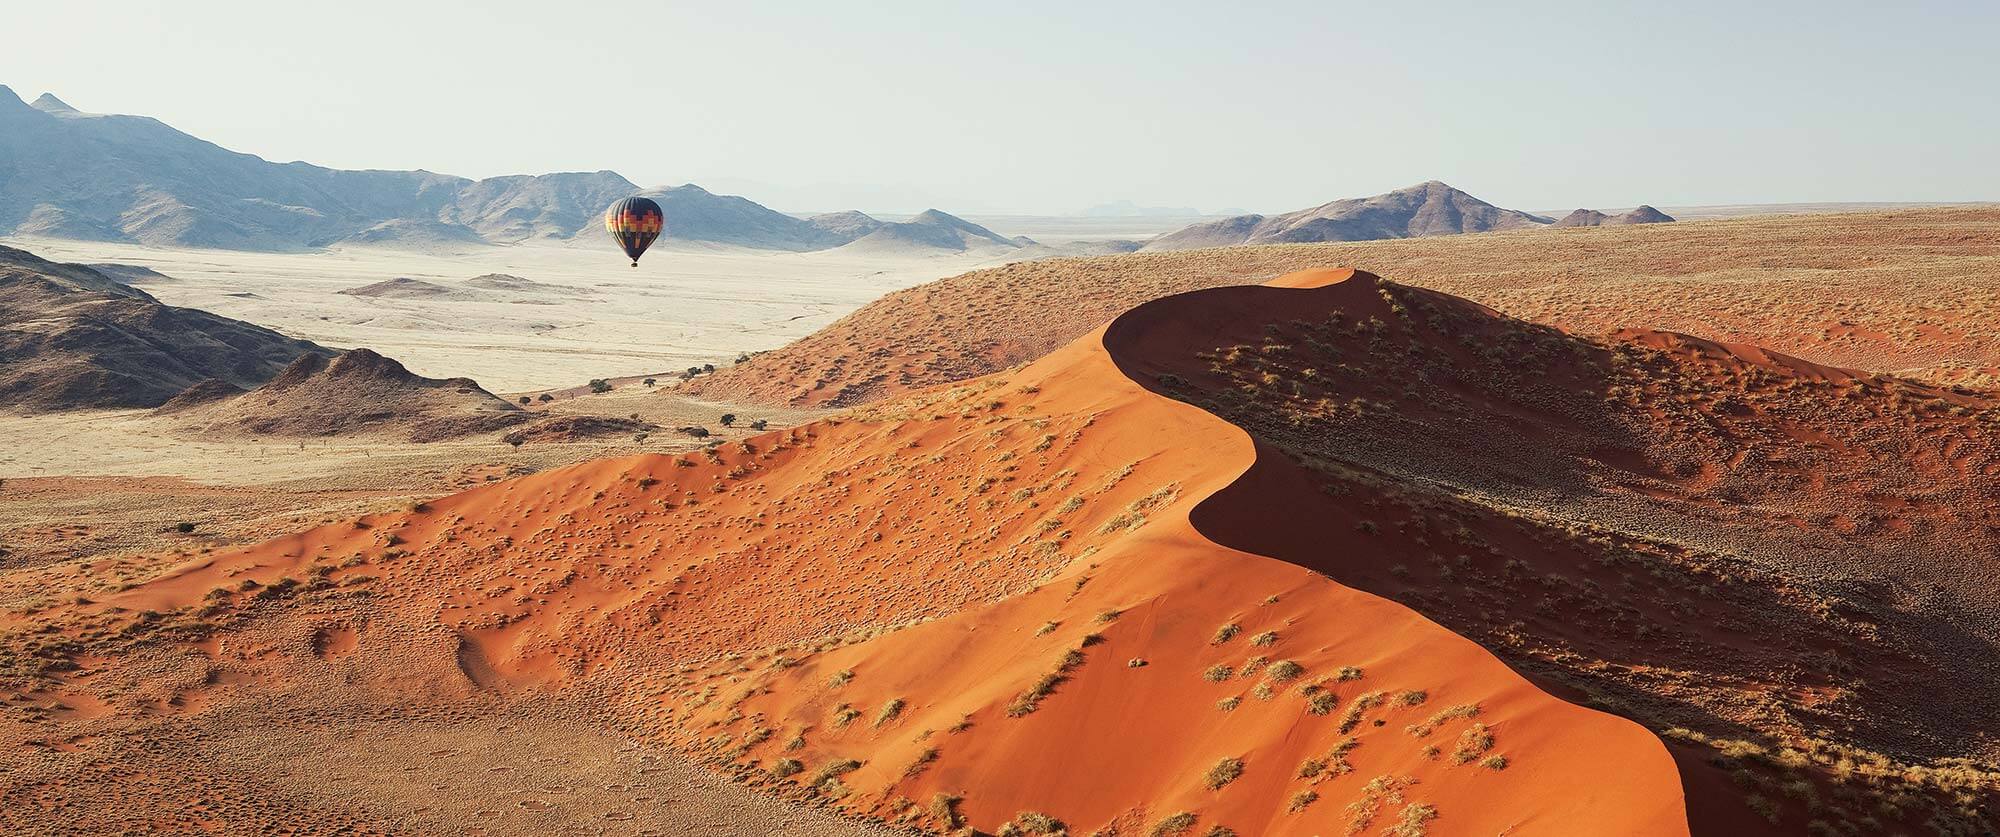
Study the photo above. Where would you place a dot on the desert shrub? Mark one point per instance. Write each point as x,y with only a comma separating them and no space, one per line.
923,762
600,386
1430,725
1177,824
787,767
1224,633
1264,639
1321,703
833,770
1036,822
1476,740
1301,800
1217,673
944,809
1413,821
1284,671
1224,772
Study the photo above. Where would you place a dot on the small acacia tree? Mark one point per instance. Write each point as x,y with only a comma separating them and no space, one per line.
728,419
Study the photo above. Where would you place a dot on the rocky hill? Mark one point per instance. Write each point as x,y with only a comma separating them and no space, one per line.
73,338
359,391
1593,218
932,232
1426,209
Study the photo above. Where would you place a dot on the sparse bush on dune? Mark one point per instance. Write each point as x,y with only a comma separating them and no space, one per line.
944,810
1175,825
1224,772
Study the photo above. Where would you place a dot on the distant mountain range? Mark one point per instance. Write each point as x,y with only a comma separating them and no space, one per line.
69,174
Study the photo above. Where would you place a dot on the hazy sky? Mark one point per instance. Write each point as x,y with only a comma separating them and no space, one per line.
1050,107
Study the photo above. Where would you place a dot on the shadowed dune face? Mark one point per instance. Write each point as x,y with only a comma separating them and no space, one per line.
1258,603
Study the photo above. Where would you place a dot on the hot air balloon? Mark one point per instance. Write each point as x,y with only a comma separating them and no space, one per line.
634,223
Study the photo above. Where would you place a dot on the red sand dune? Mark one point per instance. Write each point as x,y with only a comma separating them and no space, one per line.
935,508
1055,591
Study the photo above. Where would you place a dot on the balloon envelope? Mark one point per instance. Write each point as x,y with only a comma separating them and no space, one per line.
634,223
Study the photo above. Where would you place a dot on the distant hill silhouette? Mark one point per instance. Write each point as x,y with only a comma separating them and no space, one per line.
933,231
1430,208
1593,218
403,287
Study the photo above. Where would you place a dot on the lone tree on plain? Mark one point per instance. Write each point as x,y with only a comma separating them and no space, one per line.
546,398
600,386
759,425
650,382
525,400
728,419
